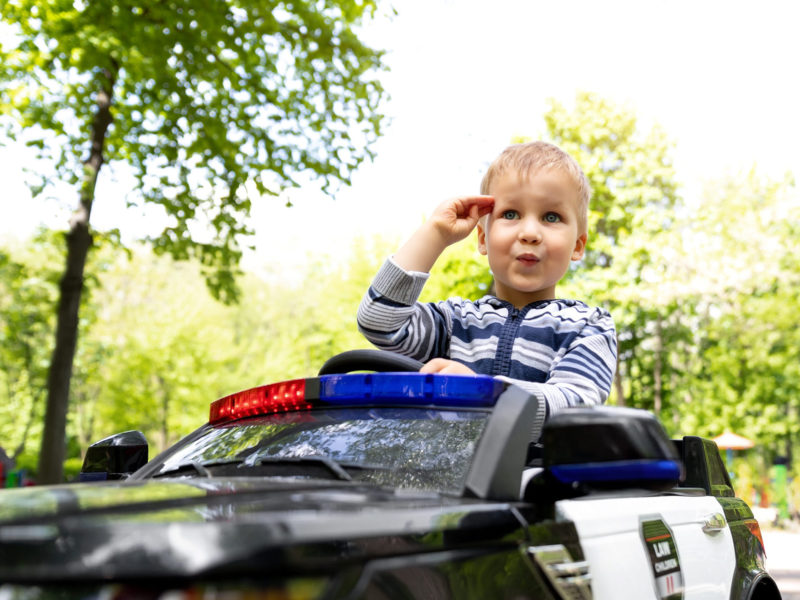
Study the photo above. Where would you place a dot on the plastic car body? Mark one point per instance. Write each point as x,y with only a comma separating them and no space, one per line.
391,485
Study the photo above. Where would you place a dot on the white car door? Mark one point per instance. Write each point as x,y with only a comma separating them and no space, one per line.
659,546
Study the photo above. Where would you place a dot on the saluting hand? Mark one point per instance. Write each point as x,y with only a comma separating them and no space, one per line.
450,222
454,219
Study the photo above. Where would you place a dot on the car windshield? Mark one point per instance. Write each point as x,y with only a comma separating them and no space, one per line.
399,447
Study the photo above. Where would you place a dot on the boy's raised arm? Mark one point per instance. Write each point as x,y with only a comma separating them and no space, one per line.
452,221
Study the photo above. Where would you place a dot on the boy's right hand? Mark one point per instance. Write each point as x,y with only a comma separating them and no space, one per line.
450,222
454,219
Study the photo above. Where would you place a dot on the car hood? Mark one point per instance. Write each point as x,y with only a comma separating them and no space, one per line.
190,527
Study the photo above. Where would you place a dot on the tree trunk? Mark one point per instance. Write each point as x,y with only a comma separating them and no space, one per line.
657,368
164,413
618,385
51,457
84,421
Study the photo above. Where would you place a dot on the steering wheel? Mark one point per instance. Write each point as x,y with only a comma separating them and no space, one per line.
369,360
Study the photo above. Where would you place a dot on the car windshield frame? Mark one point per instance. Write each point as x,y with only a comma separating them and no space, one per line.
428,448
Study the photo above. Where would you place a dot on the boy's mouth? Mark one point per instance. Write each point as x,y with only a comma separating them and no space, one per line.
528,259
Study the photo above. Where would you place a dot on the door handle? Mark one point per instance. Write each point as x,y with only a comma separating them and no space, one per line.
714,523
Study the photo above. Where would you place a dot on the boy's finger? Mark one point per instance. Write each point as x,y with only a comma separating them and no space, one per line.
484,209
469,204
485,204
479,201
443,365
432,366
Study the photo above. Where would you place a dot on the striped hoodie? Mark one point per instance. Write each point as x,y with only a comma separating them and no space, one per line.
562,351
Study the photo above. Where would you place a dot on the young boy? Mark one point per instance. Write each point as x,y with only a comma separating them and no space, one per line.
532,222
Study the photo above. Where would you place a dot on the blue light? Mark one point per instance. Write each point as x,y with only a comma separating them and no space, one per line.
411,389
624,470
93,476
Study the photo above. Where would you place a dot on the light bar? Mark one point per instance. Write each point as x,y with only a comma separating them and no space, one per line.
359,389
263,400
623,470
411,389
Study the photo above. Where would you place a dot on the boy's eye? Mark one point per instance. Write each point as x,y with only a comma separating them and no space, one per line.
552,217
509,214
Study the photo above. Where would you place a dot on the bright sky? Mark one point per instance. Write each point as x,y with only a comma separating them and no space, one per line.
467,75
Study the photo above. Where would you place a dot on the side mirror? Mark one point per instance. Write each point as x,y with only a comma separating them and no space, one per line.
115,457
704,466
608,448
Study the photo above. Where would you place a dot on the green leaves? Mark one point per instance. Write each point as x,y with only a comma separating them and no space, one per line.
197,98
155,349
632,180
703,289
207,95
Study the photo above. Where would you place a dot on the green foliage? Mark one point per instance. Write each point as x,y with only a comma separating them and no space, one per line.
746,374
703,292
214,104
460,271
209,105
28,295
25,334
157,349
630,171
632,230
320,313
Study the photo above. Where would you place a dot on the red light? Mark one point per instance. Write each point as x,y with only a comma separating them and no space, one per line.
285,396
755,529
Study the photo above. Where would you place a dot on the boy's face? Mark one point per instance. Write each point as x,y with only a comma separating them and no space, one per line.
531,235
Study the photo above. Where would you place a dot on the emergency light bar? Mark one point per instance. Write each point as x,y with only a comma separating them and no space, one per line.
359,389
623,470
605,447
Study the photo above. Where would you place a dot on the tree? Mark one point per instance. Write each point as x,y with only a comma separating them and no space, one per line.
210,103
28,292
629,169
155,371
460,271
703,290
740,261
26,326
631,225
158,371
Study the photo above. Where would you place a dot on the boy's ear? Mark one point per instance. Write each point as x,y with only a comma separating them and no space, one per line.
482,240
580,246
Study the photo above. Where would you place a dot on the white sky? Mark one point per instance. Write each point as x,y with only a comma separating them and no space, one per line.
466,75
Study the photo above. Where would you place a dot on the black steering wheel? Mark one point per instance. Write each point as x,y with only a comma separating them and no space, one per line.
369,360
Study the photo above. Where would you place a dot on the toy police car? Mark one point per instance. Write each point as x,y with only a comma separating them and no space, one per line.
390,485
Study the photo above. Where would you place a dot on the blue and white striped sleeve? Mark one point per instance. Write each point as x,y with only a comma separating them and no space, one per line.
390,317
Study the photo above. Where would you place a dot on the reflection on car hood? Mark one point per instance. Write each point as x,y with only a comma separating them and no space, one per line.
186,527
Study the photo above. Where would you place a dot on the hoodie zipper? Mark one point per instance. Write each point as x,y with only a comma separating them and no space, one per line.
505,345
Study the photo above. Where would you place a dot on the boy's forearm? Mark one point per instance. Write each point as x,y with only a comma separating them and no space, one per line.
392,319
421,250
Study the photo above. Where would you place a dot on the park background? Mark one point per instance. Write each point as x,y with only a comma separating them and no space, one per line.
683,115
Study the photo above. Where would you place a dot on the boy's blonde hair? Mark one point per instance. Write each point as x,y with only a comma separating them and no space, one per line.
530,157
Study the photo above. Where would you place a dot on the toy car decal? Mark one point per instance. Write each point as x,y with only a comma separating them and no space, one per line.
664,559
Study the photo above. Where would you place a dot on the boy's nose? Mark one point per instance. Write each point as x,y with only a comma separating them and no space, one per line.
530,232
